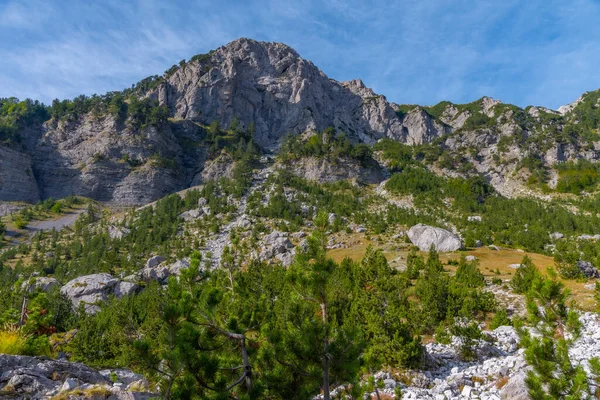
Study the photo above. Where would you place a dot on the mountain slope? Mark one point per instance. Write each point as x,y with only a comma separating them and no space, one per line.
173,131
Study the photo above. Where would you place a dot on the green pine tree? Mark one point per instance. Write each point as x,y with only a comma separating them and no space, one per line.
553,376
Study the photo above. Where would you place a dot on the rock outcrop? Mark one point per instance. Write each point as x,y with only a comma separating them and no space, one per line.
425,236
157,270
277,246
23,377
42,283
17,182
90,290
282,93
324,170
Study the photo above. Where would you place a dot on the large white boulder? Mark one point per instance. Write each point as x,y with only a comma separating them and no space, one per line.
425,236
89,290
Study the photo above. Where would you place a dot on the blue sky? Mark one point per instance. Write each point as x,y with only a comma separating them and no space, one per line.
540,52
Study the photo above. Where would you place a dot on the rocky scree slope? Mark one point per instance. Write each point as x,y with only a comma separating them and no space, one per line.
269,89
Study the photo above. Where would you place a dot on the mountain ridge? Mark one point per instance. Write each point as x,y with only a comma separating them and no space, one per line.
135,146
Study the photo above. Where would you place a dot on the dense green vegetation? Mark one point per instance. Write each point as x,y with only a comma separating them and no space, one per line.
251,329
577,177
531,220
324,144
553,375
15,115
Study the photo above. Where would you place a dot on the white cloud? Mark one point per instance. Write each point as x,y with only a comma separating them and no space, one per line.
415,51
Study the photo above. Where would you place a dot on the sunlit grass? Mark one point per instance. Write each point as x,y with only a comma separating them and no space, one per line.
12,340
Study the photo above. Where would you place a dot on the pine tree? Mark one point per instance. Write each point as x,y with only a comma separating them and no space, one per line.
525,275
380,305
553,376
311,338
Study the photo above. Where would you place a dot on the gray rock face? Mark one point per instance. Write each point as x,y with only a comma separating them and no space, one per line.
425,236
17,181
85,158
271,85
89,290
38,377
322,170
420,127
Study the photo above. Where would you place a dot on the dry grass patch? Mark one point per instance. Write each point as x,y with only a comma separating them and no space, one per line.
500,383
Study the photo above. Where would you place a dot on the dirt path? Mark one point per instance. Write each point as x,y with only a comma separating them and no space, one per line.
58,223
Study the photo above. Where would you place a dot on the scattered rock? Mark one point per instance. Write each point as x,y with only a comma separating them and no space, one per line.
588,237
474,218
425,236
125,288
299,235
332,218
471,258
162,272
45,284
159,273
243,222
556,236
515,388
588,269
191,215
177,266
277,246
117,232
154,261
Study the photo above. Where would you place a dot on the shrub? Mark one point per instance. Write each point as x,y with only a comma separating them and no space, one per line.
522,280
500,319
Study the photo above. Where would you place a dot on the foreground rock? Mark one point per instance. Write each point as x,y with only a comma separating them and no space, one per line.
23,377
425,236
498,372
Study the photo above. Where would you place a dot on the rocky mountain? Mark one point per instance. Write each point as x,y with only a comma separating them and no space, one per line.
138,145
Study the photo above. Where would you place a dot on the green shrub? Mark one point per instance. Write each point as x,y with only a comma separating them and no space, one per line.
524,276
500,319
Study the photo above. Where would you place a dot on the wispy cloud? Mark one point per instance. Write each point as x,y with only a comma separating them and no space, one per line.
414,51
